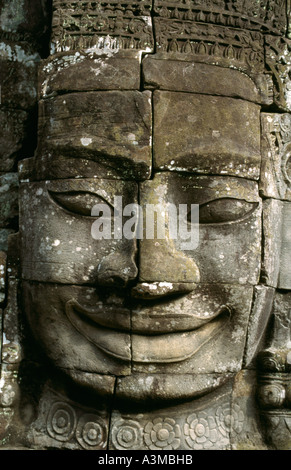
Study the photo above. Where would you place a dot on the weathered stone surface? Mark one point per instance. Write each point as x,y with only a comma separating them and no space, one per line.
274,377
277,50
65,424
4,234
13,256
229,248
246,432
272,240
9,397
284,281
12,350
18,75
142,389
275,181
206,134
275,357
24,20
277,429
13,125
8,199
62,209
211,340
9,390
198,425
206,20
276,230
209,40
112,128
61,319
107,26
188,76
18,84
89,72
259,319
3,274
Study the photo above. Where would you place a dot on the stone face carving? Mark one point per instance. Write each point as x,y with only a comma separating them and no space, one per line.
142,339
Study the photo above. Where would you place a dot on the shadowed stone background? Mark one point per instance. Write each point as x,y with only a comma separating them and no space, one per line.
158,101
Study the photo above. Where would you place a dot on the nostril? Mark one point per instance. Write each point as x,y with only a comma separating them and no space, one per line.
112,280
118,278
116,269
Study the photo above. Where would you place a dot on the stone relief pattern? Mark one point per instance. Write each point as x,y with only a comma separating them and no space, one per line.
212,44
277,139
202,430
274,380
89,430
279,63
245,14
113,25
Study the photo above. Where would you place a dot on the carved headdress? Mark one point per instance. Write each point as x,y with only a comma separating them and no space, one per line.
248,35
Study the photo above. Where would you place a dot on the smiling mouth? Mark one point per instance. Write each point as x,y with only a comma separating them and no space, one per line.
110,329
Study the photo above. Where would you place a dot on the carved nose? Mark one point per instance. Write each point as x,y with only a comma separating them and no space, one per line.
161,262
117,269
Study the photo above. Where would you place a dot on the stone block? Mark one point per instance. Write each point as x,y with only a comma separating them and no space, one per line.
12,348
66,248
9,200
259,320
4,235
284,281
246,432
13,125
89,71
143,389
102,26
9,399
206,134
198,425
80,330
112,129
272,240
18,84
26,20
168,338
63,424
275,181
3,274
193,77
229,248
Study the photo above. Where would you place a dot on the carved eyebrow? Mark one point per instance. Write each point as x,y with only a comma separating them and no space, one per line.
225,210
78,202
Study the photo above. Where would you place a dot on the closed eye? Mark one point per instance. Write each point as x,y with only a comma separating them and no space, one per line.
225,210
78,202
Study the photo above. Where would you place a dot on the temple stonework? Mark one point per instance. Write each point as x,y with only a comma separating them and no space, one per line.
115,116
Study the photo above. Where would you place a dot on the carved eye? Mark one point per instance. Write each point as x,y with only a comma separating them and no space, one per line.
79,202
225,210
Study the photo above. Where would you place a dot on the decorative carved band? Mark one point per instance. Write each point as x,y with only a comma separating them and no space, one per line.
85,24
245,14
212,44
113,25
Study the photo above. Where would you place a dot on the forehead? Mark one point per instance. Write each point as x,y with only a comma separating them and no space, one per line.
178,116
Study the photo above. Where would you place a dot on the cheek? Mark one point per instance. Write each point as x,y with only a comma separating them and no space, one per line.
45,309
59,247
230,253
